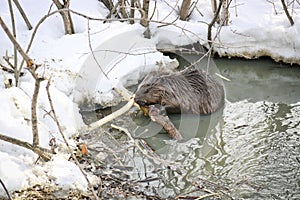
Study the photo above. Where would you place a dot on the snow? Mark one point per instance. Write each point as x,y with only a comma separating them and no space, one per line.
254,29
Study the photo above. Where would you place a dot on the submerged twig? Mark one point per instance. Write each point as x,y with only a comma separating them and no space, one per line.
143,151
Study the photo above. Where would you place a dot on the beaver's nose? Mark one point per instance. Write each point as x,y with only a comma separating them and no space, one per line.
140,102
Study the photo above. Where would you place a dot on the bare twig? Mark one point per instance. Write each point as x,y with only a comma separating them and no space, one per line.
6,59
16,72
42,152
66,141
31,67
287,13
213,21
28,60
5,189
34,121
91,49
154,9
23,14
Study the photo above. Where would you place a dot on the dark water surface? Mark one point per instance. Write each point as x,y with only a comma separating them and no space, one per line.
248,150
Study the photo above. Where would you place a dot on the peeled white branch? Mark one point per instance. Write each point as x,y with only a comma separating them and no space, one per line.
112,116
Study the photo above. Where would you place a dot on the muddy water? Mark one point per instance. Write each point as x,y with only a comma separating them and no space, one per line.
250,149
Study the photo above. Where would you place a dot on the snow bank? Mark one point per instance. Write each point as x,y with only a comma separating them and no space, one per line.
256,28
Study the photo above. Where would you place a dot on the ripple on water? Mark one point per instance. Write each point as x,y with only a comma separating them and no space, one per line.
262,141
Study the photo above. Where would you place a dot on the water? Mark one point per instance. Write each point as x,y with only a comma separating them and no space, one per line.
248,150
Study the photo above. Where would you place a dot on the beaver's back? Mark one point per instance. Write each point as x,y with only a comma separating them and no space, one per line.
186,91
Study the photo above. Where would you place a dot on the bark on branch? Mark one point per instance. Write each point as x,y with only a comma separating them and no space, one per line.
42,152
144,20
184,10
23,14
66,141
66,15
213,21
287,13
16,44
32,69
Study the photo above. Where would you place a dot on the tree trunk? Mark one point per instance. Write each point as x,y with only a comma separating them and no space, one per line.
132,10
144,20
184,10
66,15
122,9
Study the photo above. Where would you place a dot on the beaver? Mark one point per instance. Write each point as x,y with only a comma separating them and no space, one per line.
190,91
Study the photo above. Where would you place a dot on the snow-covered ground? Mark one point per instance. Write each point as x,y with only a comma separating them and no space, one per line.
256,28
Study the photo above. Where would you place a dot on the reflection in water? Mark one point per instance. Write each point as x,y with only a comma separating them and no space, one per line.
250,150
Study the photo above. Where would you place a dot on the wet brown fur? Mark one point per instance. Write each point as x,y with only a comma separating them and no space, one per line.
187,91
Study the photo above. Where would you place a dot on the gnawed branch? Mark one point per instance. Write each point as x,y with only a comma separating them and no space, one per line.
112,116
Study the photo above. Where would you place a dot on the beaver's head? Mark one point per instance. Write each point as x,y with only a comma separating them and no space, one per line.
149,94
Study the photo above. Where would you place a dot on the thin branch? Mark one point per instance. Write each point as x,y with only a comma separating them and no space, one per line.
5,189
28,60
91,49
154,9
34,121
287,13
66,141
42,152
213,21
31,68
23,14
16,72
